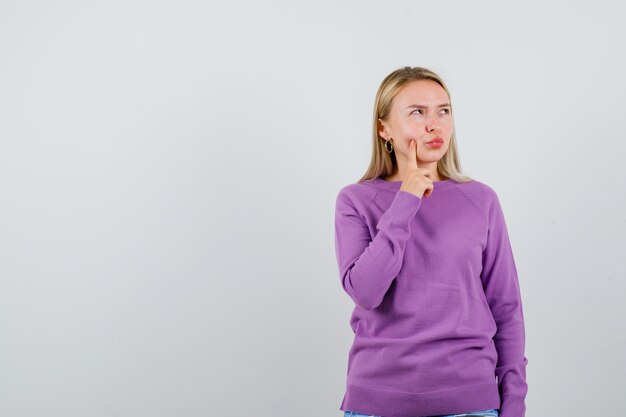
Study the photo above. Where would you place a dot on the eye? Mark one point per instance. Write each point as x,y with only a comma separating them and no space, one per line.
446,110
419,110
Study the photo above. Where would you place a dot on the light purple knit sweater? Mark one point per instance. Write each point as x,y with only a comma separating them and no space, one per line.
438,318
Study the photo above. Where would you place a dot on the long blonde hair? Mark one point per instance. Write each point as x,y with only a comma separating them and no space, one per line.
384,163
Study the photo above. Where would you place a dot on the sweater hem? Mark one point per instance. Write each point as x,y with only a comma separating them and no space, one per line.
464,399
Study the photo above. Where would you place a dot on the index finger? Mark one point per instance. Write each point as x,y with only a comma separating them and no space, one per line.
413,150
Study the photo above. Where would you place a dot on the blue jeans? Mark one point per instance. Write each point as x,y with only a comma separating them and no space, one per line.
490,413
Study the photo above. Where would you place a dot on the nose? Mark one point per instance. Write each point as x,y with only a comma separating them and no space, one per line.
431,123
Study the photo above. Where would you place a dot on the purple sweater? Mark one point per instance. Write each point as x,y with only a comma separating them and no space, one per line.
438,318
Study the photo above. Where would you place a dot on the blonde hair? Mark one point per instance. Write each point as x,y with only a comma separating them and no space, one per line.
384,163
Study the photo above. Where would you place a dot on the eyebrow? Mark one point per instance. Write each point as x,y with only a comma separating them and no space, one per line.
420,106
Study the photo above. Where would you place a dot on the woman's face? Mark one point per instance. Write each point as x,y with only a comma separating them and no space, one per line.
420,111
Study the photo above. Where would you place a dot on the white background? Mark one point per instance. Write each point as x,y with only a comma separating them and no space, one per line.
168,174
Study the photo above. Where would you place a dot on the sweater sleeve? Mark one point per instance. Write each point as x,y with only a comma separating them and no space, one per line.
500,282
367,266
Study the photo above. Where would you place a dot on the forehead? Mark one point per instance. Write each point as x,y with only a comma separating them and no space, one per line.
427,92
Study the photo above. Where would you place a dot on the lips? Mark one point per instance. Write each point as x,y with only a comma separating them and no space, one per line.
435,141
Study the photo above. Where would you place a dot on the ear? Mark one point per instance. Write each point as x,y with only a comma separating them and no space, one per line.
383,129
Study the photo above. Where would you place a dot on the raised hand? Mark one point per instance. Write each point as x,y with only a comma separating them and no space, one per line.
417,181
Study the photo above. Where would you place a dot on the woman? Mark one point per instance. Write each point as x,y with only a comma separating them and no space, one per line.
424,253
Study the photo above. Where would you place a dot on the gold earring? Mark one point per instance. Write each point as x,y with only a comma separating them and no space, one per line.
391,144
